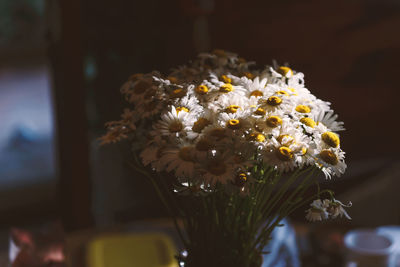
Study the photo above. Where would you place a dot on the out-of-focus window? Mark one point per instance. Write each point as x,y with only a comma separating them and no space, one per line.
27,172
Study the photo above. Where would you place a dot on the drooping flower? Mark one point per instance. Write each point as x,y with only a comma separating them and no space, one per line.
317,212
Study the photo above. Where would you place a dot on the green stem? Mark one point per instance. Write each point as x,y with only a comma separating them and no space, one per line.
161,196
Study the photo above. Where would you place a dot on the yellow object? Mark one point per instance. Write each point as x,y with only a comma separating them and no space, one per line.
226,79
132,250
256,93
274,101
331,139
179,109
308,121
303,109
226,88
285,71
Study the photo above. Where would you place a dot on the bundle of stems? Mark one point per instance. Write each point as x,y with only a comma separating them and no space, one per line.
227,228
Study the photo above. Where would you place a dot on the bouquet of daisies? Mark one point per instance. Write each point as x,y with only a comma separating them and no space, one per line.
231,150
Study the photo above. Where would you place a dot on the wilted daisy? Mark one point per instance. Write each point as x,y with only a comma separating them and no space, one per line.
317,212
336,208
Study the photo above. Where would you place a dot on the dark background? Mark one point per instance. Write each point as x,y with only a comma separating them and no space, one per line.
349,51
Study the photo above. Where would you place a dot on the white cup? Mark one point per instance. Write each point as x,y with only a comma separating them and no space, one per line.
367,248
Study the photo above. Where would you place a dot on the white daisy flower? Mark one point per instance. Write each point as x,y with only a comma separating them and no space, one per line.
243,152
173,123
152,152
271,123
281,72
235,123
204,91
198,124
328,119
218,169
272,103
330,161
230,104
215,132
149,108
225,87
203,147
254,88
286,150
179,159
317,212
137,90
214,118
188,104
185,73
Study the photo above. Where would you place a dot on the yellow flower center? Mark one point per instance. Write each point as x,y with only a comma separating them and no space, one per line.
331,139
285,139
232,108
281,92
203,145
179,109
329,157
226,88
219,52
140,87
291,89
260,111
308,121
218,133
303,150
201,89
248,75
185,154
172,79
241,179
256,137
233,124
217,167
303,109
200,124
256,93
178,93
284,153
274,101
175,127
285,71
226,79
274,121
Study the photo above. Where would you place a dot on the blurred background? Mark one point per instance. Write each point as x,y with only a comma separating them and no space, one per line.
62,64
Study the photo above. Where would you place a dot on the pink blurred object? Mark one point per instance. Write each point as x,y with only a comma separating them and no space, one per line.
41,248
